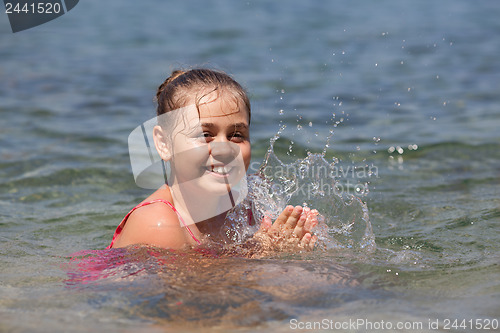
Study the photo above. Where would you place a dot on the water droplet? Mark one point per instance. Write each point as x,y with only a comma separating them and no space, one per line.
376,139
310,124
281,111
299,127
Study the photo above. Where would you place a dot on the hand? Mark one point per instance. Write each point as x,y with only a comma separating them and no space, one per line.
291,230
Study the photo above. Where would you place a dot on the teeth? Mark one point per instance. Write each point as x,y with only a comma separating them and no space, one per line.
220,169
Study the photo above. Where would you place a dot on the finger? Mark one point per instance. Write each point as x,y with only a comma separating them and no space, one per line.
314,212
299,229
313,241
304,243
292,220
281,220
265,224
294,217
277,225
311,221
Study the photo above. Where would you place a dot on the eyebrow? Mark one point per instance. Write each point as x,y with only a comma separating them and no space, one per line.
237,125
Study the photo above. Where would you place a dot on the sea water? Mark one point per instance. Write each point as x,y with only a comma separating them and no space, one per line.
391,115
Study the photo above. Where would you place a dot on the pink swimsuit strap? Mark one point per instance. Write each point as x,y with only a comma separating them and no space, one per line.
122,223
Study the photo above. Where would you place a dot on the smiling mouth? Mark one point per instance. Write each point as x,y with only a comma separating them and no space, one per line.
219,170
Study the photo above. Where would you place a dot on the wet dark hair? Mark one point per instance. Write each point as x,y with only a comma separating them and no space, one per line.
182,87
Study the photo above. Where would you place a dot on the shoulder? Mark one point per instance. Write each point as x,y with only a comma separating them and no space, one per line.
153,224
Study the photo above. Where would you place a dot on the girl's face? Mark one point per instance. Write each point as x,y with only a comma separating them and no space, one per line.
211,146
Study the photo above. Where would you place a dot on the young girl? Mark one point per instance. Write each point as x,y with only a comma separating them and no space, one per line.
203,133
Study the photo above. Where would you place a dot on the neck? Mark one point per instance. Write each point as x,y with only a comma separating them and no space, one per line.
198,206
213,227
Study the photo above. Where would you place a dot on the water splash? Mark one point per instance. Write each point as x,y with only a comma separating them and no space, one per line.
312,181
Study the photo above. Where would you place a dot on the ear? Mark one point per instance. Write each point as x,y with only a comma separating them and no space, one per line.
161,143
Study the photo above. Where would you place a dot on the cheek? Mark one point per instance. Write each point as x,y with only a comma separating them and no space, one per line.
246,152
191,154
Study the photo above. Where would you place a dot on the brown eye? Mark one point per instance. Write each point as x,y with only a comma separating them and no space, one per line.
205,137
237,137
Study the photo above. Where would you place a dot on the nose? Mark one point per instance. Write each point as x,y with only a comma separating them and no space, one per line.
223,151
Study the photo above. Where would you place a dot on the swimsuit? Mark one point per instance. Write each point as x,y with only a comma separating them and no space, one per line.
122,223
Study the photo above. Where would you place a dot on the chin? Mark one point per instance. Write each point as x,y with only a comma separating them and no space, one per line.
214,188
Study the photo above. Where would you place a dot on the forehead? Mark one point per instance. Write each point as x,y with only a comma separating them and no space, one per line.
222,107
192,118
